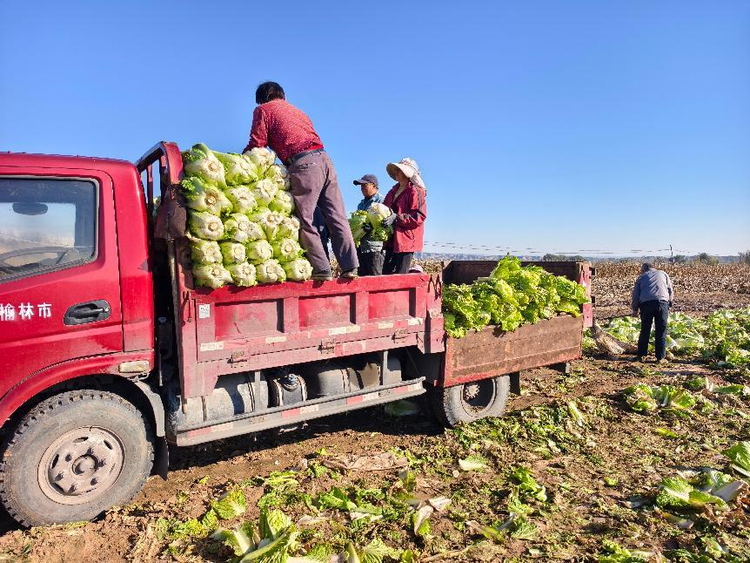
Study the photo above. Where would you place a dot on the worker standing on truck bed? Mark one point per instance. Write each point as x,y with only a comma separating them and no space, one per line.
652,296
407,200
289,132
369,252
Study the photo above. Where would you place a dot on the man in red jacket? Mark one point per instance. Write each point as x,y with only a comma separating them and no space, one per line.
408,201
289,132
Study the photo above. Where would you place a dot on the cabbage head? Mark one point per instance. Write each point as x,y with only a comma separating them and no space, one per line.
238,169
376,212
237,227
286,249
255,232
211,275
205,251
269,220
270,271
298,269
262,157
264,191
357,221
243,274
282,203
243,200
289,228
259,251
233,252
205,225
201,162
202,196
279,176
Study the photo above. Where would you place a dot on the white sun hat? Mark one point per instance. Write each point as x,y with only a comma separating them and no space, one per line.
409,167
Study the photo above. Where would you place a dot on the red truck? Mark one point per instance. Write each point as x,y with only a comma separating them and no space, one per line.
109,354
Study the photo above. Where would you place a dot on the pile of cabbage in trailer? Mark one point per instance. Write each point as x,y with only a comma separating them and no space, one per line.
511,296
241,225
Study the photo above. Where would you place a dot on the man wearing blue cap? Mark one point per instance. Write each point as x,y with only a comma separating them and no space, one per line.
369,252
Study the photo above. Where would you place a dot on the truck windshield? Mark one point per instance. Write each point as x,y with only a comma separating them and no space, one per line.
45,224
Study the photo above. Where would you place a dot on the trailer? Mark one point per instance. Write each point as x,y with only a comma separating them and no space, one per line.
111,356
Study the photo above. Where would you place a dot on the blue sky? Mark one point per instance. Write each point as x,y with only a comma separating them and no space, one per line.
592,126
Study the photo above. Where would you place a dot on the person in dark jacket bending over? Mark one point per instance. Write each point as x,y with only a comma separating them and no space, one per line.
407,200
289,132
369,252
652,296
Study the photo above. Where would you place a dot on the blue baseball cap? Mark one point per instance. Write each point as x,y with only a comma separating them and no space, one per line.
366,179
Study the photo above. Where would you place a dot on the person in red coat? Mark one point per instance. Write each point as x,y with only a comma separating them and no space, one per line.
408,201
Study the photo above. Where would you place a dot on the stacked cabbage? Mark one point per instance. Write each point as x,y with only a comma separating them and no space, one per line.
240,222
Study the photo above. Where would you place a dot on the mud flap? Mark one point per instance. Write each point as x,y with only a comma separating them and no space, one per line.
161,458
515,382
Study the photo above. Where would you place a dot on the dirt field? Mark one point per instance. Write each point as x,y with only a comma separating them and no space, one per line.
598,461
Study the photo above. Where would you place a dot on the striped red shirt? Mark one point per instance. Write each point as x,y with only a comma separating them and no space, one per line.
283,128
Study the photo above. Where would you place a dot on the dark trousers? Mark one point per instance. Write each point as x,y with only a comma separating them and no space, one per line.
653,312
314,184
370,263
397,262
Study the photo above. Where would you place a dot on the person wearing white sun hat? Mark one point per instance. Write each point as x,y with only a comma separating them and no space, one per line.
408,201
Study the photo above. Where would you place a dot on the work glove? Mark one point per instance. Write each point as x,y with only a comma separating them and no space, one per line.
388,221
367,228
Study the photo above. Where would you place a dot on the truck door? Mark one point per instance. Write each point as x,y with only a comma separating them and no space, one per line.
59,282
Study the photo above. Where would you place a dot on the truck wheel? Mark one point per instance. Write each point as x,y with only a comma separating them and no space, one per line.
471,401
73,456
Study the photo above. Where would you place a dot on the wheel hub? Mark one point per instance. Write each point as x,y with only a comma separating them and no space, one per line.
471,391
80,465
478,396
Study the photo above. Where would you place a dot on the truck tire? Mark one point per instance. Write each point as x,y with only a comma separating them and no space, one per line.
466,403
73,456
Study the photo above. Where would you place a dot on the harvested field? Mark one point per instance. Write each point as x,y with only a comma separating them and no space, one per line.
594,463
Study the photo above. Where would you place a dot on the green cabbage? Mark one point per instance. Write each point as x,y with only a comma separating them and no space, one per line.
201,162
264,191
676,492
211,275
233,252
240,539
286,249
255,232
238,169
269,220
279,176
298,269
239,228
357,221
262,157
230,505
282,203
288,228
510,297
205,251
243,200
243,274
739,454
205,225
259,251
270,271
201,196
374,217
